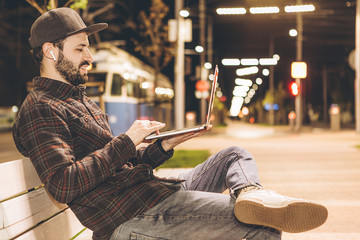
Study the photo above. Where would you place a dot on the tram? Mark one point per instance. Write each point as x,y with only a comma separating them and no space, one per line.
124,88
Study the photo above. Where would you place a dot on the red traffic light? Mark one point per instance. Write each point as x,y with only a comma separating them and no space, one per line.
294,88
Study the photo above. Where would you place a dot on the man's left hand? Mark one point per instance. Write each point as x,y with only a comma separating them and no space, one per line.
169,143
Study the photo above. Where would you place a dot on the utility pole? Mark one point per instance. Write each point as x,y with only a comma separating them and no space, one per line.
299,40
271,82
179,101
325,106
202,22
357,64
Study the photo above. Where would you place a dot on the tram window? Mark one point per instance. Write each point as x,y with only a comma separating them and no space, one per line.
131,89
96,84
116,85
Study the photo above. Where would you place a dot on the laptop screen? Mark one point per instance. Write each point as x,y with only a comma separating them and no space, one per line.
212,96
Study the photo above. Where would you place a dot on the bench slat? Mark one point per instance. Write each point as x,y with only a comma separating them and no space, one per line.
60,227
17,177
85,235
23,212
29,212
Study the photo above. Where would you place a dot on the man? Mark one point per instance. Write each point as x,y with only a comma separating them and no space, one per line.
109,184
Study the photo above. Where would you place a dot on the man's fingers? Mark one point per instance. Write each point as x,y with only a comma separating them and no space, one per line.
156,126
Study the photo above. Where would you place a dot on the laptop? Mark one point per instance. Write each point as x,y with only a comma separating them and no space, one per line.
195,128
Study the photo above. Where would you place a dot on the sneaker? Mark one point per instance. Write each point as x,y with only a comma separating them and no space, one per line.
268,208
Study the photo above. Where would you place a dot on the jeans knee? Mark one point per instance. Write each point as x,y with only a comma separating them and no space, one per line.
235,149
240,153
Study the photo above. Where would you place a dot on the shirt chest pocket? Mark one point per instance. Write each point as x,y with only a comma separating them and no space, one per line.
88,135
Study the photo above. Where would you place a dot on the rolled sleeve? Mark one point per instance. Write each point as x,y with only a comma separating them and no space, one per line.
155,155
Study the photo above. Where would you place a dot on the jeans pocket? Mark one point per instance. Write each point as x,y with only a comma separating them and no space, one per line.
138,236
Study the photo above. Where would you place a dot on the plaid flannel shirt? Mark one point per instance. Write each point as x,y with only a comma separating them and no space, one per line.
103,179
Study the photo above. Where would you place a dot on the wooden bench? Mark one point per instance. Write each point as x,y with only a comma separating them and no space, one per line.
28,212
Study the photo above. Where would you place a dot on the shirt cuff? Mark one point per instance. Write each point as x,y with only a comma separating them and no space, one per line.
168,153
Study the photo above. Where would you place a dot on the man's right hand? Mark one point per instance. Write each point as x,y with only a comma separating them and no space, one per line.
142,128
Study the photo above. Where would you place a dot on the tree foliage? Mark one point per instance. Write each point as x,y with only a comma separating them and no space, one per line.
52,4
153,32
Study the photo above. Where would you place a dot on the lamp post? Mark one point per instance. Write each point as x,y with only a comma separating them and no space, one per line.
202,37
271,82
179,100
299,40
357,63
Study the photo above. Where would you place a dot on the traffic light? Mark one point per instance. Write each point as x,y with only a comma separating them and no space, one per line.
294,88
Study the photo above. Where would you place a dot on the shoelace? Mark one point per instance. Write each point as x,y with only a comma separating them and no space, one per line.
247,189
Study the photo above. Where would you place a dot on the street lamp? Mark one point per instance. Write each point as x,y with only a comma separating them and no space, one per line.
184,13
293,32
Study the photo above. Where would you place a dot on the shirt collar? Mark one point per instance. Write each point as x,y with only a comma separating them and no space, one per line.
60,89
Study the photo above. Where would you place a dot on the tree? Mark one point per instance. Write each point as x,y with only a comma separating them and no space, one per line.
153,32
52,4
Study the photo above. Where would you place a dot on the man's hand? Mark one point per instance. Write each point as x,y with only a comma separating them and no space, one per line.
142,128
169,143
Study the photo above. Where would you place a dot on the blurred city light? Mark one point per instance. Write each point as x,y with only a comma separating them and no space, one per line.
264,10
199,49
247,71
14,109
207,65
242,88
258,81
126,76
249,61
294,89
298,70
265,72
267,107
300,8
230,62
334,109
190,116
276,57
267,61
184,13
276,107
239,93
245,111
230,11
211,77
292,115
244,82
251,93
165,91
293,32
236,105
145,85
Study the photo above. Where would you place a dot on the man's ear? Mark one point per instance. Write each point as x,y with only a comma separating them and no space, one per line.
49,51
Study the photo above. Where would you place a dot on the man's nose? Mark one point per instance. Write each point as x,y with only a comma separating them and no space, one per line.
88,56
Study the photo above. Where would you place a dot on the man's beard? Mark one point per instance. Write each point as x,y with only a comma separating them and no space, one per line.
69,71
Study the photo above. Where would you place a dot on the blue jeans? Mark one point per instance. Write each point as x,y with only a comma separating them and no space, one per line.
199,210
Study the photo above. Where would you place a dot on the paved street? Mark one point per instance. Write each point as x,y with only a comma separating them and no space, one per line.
315,164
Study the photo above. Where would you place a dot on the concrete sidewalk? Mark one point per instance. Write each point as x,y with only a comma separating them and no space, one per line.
316,164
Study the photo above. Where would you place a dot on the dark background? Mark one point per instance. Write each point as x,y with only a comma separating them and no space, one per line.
329,37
